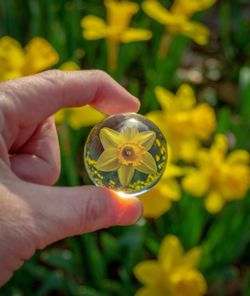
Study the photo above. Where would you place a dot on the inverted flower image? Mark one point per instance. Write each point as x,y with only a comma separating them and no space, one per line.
126,151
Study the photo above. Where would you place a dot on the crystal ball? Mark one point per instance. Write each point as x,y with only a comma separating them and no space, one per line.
126,153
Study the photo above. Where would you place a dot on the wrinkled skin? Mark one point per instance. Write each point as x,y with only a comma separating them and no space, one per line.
32,213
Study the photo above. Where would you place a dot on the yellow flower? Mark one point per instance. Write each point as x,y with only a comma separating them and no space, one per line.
158,200
219,177
16,62
182,121
80,116
177,19
174,273
116,30
126,152
70,66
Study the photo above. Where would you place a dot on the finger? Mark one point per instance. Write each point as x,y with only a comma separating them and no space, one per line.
38,97
38,160
63,212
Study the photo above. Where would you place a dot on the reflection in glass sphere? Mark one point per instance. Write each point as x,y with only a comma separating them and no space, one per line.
126,153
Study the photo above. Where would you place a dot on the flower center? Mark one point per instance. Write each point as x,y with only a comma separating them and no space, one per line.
130,153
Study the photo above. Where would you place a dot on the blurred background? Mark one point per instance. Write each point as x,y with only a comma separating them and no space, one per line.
189,63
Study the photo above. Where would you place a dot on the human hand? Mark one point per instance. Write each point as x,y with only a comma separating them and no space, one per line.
32,213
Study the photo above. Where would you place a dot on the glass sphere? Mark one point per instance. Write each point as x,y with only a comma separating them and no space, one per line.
126,153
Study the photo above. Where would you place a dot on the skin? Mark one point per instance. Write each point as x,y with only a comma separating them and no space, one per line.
32,213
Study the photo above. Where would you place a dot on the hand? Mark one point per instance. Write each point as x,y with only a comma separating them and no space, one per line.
32,213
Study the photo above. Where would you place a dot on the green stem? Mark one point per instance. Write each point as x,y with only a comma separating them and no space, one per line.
165,44
113,50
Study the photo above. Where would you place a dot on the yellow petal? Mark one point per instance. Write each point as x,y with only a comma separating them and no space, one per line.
151,291
12,55
119,13
198,32
203,121
196,183
164,97
130,134
154,203
125,174
238,157
171,252
109,137
156,11
69,66
148,272
187,9
148,165
94,27
214,202
171,189
146,139
190,283
219,147
158,119
186,97
108,162
192,258
133,34
173,171
40,55
59,116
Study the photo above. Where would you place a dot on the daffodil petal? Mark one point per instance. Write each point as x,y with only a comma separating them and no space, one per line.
70,66
40,55
238,157
125,174
146,139
149,291
185,95
109,137
94,27
171,189
196,183
171,252
214,202
129,133
155,203
148,165
108,162
187,9
132,34
156,11
148,272
198,32
164,97
173,171
158,118
191,259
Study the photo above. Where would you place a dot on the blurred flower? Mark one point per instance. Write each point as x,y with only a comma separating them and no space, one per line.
70,66
158,200
219,177
126,151
174,273
177,19
116,30
80,116
183,122
37,56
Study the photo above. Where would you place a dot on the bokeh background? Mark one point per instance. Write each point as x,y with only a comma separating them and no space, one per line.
189,63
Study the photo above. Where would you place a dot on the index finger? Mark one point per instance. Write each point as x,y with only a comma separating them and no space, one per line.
39,96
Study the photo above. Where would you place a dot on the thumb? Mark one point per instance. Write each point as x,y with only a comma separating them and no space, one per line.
59,212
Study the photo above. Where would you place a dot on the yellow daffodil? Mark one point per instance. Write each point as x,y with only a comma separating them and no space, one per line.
126,151
79,117
183,122
219,177
37,56
174,273
177,19
116,30
158,200
70,66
